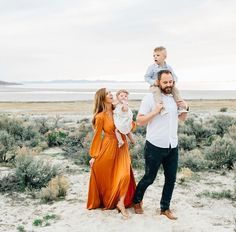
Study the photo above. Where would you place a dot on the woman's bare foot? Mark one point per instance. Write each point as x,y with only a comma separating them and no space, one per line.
121,209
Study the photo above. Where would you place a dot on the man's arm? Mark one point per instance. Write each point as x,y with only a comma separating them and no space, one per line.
144,119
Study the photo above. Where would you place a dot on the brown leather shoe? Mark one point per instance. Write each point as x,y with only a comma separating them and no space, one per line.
138,209
168,214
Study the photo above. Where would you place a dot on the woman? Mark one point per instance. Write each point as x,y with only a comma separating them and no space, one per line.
111,182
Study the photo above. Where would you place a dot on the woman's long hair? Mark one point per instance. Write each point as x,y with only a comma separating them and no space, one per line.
99,103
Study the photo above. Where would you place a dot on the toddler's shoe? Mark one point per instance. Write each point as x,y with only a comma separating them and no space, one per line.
181,110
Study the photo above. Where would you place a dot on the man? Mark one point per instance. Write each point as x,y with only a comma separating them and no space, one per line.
161,142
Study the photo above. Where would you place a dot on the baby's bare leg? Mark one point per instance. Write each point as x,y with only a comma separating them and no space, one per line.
130,136
119,138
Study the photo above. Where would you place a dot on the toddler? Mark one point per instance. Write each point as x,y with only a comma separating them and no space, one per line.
159,56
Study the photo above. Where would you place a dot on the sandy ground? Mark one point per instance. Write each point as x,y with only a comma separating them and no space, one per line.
194,213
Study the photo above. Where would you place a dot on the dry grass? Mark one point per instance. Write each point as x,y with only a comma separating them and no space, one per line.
86,107
57,187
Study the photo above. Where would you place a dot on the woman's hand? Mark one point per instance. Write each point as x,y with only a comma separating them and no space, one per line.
91,162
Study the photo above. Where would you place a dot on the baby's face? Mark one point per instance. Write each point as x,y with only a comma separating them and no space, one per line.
159,57
122,97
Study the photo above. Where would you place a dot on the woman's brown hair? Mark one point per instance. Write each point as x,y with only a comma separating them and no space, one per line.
99,103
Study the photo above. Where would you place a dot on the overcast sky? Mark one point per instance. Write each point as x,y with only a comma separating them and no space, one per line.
114,39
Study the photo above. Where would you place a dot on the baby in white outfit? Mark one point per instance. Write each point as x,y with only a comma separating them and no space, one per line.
123,117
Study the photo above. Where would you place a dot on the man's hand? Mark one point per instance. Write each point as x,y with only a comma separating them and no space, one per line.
91,162
182,104
144,119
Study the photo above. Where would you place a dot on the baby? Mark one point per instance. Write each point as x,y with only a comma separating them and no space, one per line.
123,117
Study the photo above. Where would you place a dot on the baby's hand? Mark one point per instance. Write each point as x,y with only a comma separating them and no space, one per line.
124,102
125,105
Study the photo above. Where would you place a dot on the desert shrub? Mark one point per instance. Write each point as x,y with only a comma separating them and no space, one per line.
224,194
6,144
84,120
26,151
82,157
77,144
137,152
29,132
56,137
13,126
9,183
34,173
42,125
21,228
197,127
135,113
140,130
222,153
232,132
187,142
184,175
21,131
223,109
45,125
17,151
18,128
45,221
81,138
221,123
193,160
185,127
56,188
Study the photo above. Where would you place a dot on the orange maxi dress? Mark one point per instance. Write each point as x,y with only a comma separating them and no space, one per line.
111,175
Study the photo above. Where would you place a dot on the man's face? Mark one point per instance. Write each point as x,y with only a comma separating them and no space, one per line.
159,57
166,83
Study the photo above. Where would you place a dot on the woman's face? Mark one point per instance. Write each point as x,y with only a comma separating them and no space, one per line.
109,97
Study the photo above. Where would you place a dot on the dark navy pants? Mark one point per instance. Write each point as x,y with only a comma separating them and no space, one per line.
154,157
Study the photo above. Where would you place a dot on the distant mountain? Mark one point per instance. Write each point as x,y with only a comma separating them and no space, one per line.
8,83
74,81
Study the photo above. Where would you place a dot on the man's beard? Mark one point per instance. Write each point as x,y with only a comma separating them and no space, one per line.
167,90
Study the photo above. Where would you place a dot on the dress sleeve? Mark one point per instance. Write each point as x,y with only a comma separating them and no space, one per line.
97,138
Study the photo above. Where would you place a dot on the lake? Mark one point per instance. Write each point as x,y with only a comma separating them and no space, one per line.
85,91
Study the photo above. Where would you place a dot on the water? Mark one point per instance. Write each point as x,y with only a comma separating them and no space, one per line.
85,91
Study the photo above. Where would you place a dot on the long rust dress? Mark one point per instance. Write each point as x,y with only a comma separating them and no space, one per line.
111,174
